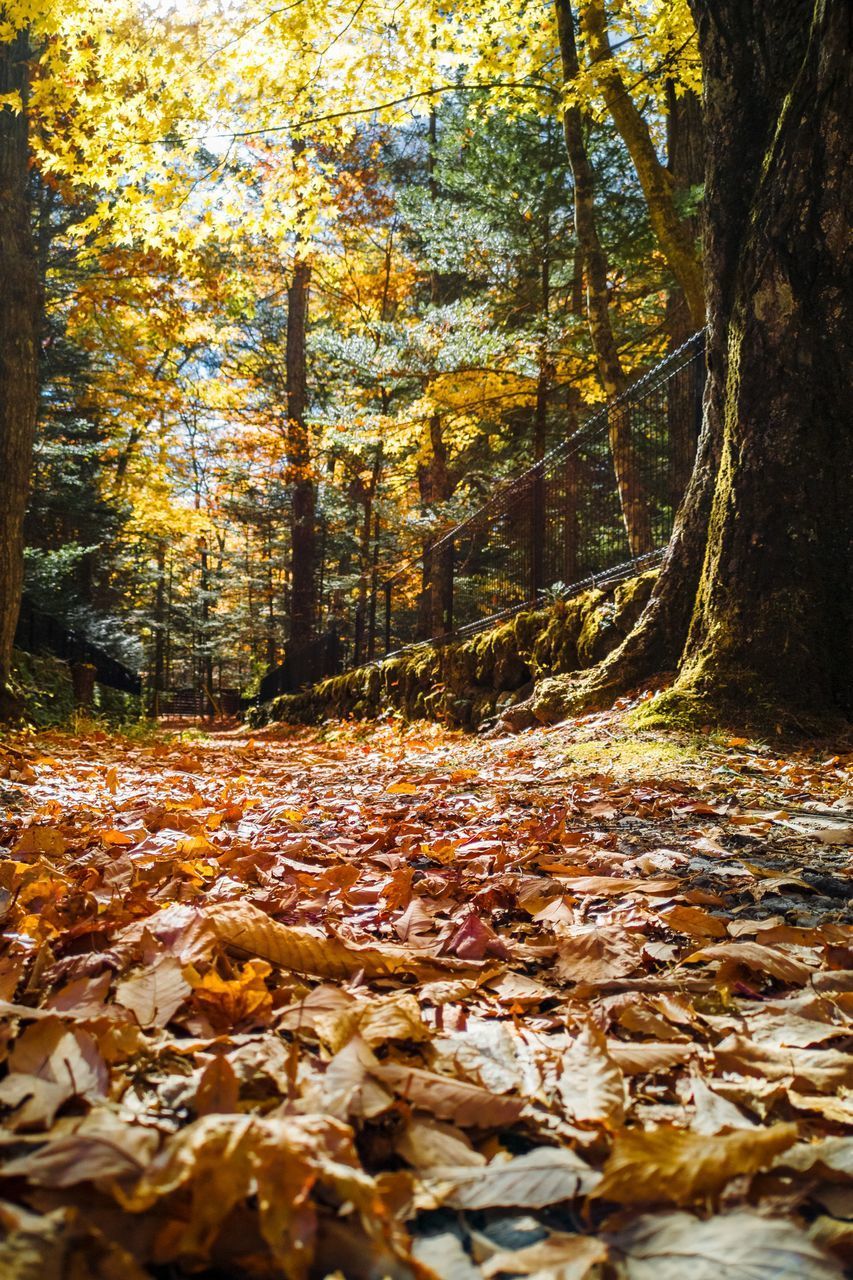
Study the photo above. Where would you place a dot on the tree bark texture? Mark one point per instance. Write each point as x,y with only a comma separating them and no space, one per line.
635,511
772,621
768,508
19,324
300,476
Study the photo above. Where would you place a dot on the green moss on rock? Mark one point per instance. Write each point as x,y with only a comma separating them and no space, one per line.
465,683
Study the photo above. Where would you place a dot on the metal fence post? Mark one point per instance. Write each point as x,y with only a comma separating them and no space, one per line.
450,587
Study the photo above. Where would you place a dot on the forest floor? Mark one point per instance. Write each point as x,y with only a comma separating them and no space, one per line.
374,1001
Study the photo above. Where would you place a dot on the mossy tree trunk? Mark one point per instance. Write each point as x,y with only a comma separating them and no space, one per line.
772,619
19,324
765,528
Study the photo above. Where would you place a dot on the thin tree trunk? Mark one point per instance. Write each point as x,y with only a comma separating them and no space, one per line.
685,162
19,324
635,509
672,230
685,130
304,498
543,380
434,478
159,630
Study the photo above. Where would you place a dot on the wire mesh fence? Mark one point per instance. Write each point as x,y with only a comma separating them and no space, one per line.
39,632
597,507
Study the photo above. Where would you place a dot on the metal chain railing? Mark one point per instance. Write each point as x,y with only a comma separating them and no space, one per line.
598,507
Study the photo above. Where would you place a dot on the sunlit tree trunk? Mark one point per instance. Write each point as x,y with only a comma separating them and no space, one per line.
434,477
300,476
672,229
19,323
635,507
158,674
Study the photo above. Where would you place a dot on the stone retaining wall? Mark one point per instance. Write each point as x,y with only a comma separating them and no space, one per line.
467,683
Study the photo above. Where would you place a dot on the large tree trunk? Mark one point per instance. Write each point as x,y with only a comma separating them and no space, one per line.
300,475
19,322
771,634
635,508
672,230
772,622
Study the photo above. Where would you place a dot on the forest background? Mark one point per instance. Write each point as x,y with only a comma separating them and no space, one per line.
315,279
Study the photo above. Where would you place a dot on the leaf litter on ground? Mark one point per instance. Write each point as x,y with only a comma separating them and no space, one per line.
373,1001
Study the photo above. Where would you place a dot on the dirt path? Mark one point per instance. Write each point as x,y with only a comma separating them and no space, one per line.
369,1002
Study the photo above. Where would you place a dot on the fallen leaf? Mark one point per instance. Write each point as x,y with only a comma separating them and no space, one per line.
253,932
156,993
542,1177
669,1166
596,955
560,1257
591,1085
741,1245
779,964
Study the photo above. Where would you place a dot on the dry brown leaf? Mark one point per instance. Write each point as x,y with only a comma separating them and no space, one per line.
34,1101
607,886
713,1113
67,1056
425,1144
101,1146
780,964
539,1178
35,840
597,955
156,993
392,1017
832,1158
218,1091
822,1070
465,1104
782,1029
59,1246
347,1088
742,1245
695,922
637,1059
247,929
591,1085
560,1257
669,1166
234,1003
278,1160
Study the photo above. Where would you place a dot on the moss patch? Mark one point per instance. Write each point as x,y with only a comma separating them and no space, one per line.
467,682
45,690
